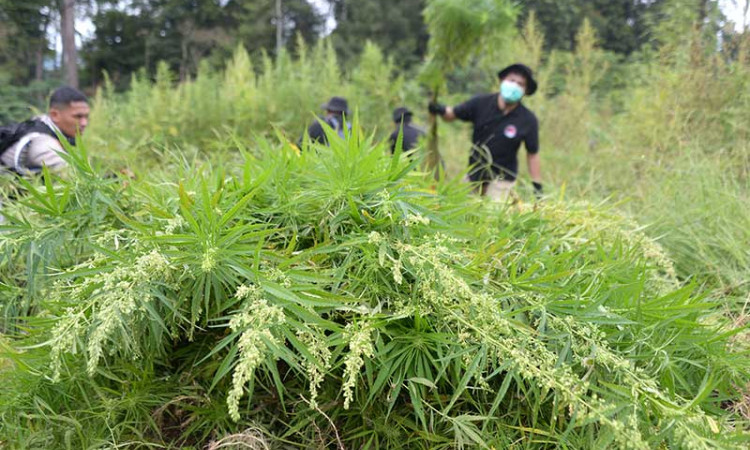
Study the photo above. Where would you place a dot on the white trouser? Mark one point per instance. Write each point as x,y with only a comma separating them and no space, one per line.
500,190
497,190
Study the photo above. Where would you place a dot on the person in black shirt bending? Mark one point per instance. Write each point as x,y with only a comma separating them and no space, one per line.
501,123
411,133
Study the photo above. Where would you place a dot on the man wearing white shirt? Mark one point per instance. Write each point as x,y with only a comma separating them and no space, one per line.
33,144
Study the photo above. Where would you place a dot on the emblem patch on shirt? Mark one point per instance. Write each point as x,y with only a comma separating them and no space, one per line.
510,131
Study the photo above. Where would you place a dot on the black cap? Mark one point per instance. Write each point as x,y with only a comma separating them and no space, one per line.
336,104
523,70
402,114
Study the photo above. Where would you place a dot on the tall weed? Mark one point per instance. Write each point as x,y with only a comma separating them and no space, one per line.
338,296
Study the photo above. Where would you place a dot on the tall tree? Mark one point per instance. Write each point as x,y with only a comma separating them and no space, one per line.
131,34
24,36
68,34
279,27
396,26
273,24
122,44
622,26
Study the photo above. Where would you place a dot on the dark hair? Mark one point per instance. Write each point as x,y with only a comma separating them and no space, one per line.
64,96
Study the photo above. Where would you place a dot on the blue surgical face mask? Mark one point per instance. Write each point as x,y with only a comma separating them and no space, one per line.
511,91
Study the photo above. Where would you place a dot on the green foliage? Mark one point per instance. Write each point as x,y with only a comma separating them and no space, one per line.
623,26
401,33
23,52
121,46
138,34
459,31
371,94
332,295
251,98
23,41
256,27
676,141
19,103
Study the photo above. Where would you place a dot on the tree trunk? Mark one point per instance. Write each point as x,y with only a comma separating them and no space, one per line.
39,62
184,59
187,30
39,56
702,14
147,53
279,28
70,54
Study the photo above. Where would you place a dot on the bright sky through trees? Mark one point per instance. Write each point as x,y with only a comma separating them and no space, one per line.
734,10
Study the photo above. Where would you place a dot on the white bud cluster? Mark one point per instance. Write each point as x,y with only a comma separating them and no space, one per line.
208,264
360,347
256,323
415,219
117,300
122,295
317,347
278,276
175,224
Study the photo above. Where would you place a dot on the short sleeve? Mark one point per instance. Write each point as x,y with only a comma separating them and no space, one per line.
532,138
467,111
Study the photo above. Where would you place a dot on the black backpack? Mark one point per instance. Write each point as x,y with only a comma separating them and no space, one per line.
10,134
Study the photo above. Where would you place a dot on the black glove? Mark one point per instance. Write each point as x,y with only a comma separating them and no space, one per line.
436,108
538,190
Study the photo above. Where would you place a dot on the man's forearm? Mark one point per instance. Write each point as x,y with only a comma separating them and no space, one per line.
535,168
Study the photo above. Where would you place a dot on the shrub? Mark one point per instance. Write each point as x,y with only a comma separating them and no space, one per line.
337,297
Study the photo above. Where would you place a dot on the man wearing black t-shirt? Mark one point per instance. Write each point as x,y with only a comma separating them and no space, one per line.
501,123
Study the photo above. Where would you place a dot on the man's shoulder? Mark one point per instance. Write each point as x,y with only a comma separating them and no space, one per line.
415,129
320,120
39,144
409,131
476,107
483,98
316,132
34,150
34,125
315,126
43,141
